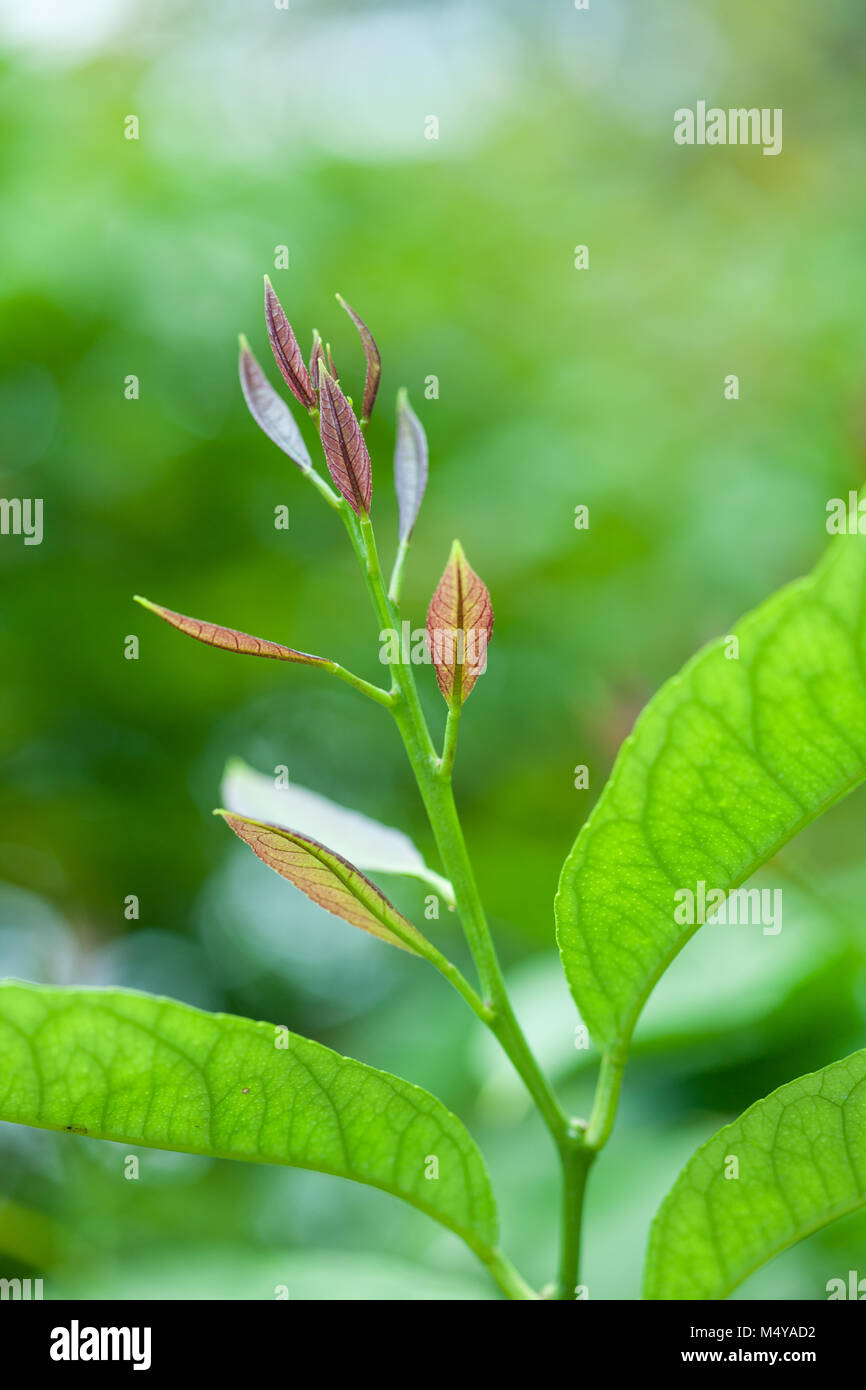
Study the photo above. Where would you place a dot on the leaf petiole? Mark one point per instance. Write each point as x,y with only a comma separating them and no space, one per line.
397,572
449,746
374,692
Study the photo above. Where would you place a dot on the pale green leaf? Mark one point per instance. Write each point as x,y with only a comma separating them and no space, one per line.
725,765
114,1064
800,1164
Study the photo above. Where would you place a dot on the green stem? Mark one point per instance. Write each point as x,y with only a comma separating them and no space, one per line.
510,1281
449,970
576,1163
397,572
375,692
605,1102
432,775
438,797
449,746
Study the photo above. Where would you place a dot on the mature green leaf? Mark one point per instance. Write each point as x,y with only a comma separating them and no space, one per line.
725,765
114,1064
369,845
801,1163
328,879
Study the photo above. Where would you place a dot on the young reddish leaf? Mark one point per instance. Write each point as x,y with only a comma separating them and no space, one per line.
372,358
410,464
343,443
270,411
316,356
327,878
459,624
229,640
286,350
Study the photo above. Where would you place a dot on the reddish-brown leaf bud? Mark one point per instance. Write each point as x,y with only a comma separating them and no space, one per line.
372,358
459,624
316,356
286,349
343,443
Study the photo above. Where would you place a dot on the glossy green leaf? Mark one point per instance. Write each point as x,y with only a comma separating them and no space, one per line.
800,1164
727,763
328,879
114,1064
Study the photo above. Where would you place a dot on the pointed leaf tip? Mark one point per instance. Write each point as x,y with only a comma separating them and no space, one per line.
410,464
345,450
229,639
286,350
371,356
459,625
327,879
316,356
269,410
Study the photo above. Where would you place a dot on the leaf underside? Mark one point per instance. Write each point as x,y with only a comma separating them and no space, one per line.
228,639
118,1065
270,411
410,466
726,764
328,879
801,1164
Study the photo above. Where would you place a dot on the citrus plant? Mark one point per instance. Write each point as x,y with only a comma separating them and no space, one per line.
758,735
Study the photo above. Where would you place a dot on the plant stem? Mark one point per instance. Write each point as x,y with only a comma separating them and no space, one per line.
375,692
438,797
449,744
449,970
576,1163
510,1281
433,776
397,572
576,1166
604,1102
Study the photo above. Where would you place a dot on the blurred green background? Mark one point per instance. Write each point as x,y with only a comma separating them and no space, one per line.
260,128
